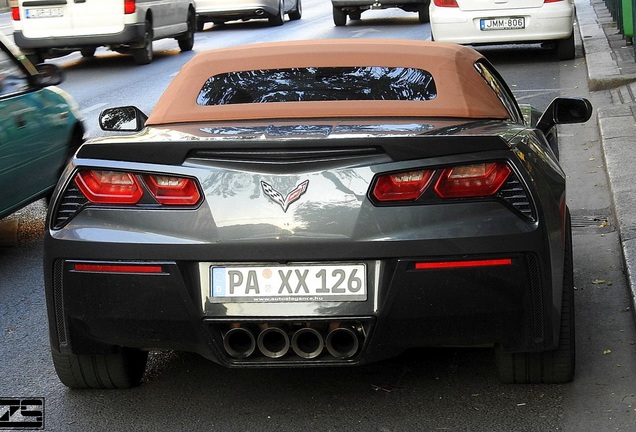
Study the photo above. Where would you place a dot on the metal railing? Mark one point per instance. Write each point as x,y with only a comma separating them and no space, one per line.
622,12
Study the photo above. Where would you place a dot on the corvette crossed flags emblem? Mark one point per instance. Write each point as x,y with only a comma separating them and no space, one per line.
277,197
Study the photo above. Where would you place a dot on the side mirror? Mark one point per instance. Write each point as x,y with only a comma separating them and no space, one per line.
49,74
565,111
122,119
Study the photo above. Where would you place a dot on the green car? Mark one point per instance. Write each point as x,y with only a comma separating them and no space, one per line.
40,128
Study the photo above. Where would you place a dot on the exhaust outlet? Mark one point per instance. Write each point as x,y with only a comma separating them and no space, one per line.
273,342
307,343
239,342
342,343
259,12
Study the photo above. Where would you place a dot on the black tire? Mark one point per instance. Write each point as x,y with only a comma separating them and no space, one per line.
423,12
297,13
143,55
279,18
355,16
550,367
186,42
35,57
339,17
565,48
88,52
119,370
200,24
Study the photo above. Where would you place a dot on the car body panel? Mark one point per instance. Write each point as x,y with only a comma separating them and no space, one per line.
37,129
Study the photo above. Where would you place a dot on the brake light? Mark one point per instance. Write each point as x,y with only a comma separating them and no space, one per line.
129,7
116,187
446,3
483,179
438,265
15,14
405,186
117,268
109,187
551,1
173,190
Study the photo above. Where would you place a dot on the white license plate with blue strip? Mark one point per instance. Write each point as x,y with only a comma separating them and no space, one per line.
505,23
288,283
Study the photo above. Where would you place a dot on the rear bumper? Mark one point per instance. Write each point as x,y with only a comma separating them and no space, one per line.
508,305
373,4
132,34
463,27
248,12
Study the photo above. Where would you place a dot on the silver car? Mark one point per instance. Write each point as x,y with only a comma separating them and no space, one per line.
220,11
332,203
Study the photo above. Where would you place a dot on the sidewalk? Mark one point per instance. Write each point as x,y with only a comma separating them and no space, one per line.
611,66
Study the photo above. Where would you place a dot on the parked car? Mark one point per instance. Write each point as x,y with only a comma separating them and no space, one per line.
44,28
550,22
331,203
221,11
354,8
40,128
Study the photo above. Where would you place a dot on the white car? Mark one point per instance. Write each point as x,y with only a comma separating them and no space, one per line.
220,11
476,22
50,28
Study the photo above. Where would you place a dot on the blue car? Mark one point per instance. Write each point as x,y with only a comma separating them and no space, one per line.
40,128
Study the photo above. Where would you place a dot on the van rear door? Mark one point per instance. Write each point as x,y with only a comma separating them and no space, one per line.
59,18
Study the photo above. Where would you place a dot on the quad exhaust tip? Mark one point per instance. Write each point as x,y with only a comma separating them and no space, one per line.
341,342
239,342
273,342
307,343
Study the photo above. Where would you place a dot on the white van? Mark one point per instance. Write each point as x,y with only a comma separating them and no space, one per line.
50,28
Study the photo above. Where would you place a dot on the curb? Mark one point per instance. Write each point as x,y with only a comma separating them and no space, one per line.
617,129
603,70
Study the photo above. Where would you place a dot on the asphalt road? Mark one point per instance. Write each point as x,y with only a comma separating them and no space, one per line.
422,390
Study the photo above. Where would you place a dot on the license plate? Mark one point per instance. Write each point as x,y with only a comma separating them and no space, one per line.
508,23
288,284
54,12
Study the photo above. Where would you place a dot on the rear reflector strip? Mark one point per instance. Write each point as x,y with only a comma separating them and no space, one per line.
462,264
117,268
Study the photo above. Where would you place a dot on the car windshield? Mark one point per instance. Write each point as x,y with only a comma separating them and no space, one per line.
318,84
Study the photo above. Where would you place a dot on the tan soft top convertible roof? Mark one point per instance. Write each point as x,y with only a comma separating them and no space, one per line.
461,91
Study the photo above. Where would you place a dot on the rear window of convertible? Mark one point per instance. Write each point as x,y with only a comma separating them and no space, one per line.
318,84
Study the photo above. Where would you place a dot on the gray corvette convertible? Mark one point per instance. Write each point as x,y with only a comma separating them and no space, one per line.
316,203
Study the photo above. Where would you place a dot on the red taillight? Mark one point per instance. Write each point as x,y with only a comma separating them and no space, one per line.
129,7
552,1
115,187
405,186
483,179
118,268
15,14
173,190
446,3
438,265
109,187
